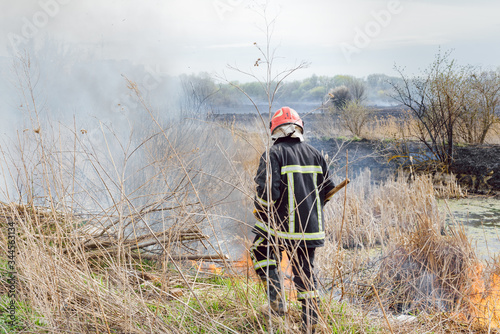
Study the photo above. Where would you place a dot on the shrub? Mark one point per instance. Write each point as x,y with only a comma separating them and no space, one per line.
354,117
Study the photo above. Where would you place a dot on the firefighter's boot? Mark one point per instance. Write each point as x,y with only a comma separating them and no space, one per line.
274,291
309,315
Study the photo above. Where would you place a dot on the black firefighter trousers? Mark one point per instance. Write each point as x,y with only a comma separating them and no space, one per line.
302,261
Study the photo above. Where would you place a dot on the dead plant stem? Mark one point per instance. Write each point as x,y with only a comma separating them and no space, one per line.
382,308
342,225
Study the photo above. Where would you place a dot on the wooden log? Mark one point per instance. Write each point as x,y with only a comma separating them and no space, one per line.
109,244
197,257
191,257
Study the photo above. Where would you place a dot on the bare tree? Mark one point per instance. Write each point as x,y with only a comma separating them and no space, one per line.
271,82
354,117
479,109
436,99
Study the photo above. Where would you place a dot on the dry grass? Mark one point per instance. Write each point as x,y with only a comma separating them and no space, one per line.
392,128
395,241
376,128
374,213
74,279
63,289
92,214
426,269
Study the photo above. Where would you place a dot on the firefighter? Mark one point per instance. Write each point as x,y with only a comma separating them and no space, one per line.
289,212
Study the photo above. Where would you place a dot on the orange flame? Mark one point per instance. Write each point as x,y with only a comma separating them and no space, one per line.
207,267
485,302
245,267
286,267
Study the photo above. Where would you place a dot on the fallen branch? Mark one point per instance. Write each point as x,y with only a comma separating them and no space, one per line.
191,257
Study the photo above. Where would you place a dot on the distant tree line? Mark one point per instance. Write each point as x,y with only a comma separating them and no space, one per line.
203,93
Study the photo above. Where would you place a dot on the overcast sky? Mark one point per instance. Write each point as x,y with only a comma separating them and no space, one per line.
188,36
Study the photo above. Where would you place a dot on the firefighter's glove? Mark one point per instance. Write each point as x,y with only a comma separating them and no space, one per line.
259,214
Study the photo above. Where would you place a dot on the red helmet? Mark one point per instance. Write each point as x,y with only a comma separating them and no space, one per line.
285,115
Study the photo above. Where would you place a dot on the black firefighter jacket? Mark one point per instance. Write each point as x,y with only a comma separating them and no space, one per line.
299,186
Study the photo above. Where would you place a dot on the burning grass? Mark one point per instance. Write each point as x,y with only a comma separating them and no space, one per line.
484,296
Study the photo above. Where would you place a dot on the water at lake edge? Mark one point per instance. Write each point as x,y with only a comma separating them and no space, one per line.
481,218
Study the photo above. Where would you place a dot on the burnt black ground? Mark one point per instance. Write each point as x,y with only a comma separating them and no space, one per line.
477,167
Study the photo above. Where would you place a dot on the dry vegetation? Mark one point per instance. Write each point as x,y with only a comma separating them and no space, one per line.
105,225
394,241
120,268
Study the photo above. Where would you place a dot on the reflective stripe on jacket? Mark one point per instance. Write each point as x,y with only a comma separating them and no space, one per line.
299,182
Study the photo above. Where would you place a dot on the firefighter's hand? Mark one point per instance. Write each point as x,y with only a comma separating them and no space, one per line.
258,214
